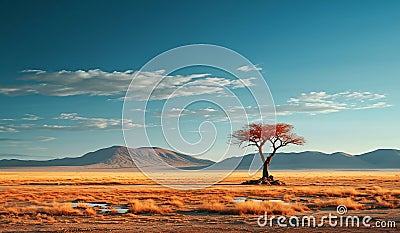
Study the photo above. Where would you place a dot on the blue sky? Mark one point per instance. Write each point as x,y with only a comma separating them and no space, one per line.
332,68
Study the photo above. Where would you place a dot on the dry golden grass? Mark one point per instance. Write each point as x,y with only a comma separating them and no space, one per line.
252,207
54,209
348,202
147,206
384,204
333,178
90,212
176,203
61,209
43,198
213,207
73,178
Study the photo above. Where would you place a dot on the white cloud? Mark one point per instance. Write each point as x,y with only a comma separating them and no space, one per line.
7,129
68,83
33,71
46,139
72,122
26,117
181,86
101,83
307,103
232,113
7,119
94,123
246,82
178,112
46,126
248,68
322,102
364,96
31,117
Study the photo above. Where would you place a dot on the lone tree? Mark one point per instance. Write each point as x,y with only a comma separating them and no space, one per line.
277,136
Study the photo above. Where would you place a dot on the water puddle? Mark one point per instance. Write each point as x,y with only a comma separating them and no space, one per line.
102,207
115,209
278,201
243,199
90,204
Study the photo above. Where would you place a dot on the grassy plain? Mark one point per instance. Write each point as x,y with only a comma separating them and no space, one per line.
32,201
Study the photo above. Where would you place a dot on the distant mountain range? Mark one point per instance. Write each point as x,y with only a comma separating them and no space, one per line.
123,157
378,159
117,157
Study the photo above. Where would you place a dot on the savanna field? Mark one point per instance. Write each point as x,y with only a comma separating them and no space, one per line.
130,202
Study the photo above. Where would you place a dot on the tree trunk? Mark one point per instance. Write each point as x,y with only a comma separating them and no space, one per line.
265,167
267,162
261,154
265,170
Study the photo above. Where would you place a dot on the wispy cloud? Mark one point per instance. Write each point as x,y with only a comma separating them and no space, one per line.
249,68
7,129
322,102
181,86
94,123
231,113
71,122
31,117
307,103
68,83
26,117
179,112
101,83
7,119
311,103
46,139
